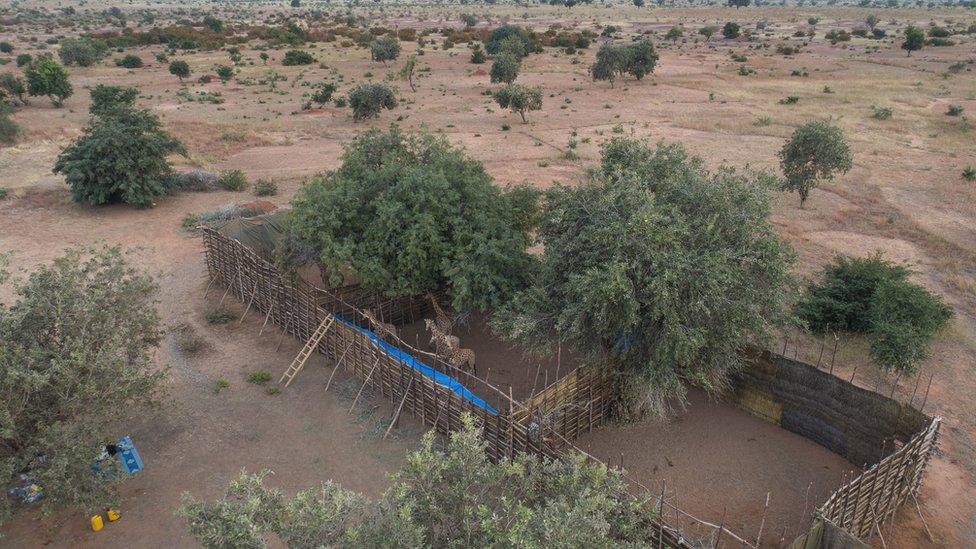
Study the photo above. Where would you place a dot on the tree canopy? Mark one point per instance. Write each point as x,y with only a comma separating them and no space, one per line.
637,59
384,48
520,99
76,350
45,76
873,297
121,156
367,100
914,39
409,213
494,41
504,68
658,269
440,498
816,151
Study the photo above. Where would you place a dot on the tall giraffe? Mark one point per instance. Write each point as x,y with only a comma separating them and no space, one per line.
382,329
444,321
449,348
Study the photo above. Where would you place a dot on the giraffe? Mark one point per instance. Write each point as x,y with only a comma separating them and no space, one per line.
382,329
443,342
444,321
449,348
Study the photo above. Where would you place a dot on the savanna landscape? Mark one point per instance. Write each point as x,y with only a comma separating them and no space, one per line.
651,190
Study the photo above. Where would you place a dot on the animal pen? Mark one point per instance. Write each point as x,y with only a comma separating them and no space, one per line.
331,322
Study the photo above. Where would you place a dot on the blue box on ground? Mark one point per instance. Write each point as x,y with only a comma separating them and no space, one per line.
129,456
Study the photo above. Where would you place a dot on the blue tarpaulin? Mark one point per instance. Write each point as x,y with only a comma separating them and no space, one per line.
438,377
129,456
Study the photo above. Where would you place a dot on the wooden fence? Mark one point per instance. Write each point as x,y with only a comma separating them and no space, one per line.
862,505
544,425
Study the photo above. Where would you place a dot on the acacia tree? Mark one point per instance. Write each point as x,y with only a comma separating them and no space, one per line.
816,151
120,157
520,99
180,69
76,350
384,49
504,68
438,498
367,100
612,60
914,39
408,213
656,269
45,76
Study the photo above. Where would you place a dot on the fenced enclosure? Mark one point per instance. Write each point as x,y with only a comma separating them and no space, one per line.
547,422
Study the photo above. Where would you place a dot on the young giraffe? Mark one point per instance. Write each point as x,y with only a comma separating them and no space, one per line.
449,348
382,329
443,343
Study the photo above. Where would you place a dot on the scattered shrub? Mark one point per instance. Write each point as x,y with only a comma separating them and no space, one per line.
265,187
367,100
297,57
259,377
47,77
218,315
954,110
882,113
233,180
129,62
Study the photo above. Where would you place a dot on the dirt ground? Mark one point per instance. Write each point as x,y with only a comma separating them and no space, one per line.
904,196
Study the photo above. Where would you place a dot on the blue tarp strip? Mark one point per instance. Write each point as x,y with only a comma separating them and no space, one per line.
438,377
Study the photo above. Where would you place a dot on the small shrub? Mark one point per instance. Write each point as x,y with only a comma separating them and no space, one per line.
297,57
220,384
9,131
129,62
882,113
187,340
218,315
265,187
3,193
233,180
259,377
969,173
954,110
367,100
790,100
24,59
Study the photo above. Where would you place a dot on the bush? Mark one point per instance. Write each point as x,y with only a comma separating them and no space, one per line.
954,110
969,173
14,86
322,93
120,157
233,180
297,57
107,99
82,52
77,359
10,131
882,113
872,296
505,68
129,62
47,77
199,181
24,59
265,187
384,49
498,35
367,100
6,47
838,35
180,69
218,315
259,377
478,56
731,30
401,214
439,496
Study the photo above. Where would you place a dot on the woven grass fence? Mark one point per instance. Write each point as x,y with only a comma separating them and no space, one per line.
543,427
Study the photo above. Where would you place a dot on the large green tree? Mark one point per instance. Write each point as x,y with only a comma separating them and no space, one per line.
816,152
76,357
637,59
122,154
657,269
409,213
453,497
520,99
45,76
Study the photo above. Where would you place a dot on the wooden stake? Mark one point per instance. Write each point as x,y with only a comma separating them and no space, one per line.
396,416
250,302
762,523
365,382
338,363
721,528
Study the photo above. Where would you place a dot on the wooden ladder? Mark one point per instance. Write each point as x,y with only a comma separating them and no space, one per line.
310,345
